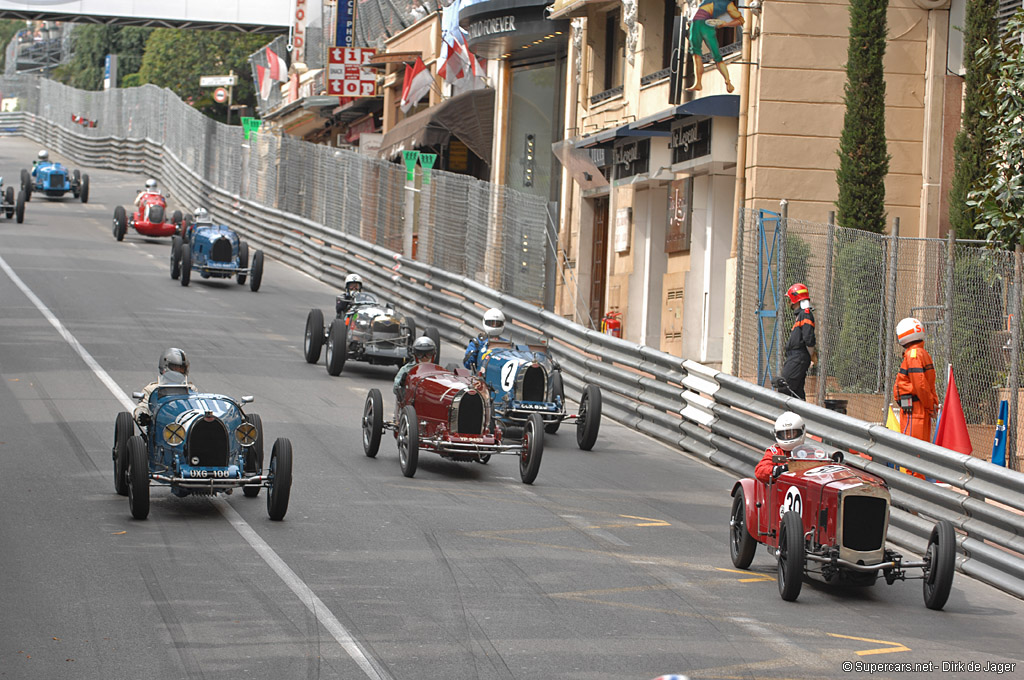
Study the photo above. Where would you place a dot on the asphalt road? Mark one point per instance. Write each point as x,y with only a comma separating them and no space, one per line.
614,564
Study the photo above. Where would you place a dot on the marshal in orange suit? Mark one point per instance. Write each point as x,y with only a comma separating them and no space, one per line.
914,390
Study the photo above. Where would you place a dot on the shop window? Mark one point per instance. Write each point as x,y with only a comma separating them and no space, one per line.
614,50
680,214
668,19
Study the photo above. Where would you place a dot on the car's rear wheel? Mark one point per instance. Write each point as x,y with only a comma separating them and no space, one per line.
256,275
19,208
254,456
120,223
26,184
83,192
314,339
175,257
186,263
791,555
941,558
9,200
373,422
741,543
555,389
280,479
243,261
337,347
124,428
589,420
408,441
533,448
138,477
433,334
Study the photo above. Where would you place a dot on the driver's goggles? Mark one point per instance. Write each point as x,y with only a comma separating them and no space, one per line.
493,323
788,434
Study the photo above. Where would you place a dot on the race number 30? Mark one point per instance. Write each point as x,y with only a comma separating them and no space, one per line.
792,501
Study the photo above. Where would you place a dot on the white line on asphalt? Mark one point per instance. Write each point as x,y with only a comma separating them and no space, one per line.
370,667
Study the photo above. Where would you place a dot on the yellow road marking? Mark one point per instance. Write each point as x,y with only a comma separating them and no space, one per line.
754,579
894,646
651,522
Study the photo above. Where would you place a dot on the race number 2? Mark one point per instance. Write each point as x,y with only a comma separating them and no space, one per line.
508,374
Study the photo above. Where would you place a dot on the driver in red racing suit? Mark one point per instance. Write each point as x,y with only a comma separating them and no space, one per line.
789,434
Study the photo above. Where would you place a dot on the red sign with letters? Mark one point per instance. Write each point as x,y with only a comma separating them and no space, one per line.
347,75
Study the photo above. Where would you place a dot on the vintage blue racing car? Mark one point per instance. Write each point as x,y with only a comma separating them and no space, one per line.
523,379
53,180
198,444
11,205
215,251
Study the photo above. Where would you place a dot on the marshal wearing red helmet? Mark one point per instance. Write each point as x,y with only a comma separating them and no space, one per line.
800,349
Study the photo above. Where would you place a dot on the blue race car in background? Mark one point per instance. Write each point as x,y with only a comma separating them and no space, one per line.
53,180
524,379
215,251
198,444
12,206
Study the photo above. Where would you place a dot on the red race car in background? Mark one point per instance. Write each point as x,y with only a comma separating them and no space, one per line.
149,219
448,413
829,521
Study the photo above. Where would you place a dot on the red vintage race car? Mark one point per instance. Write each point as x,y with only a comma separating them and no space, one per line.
149,219
448,412
827,520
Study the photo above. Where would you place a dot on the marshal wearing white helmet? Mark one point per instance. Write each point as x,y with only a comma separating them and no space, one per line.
789,434
493,325
914,389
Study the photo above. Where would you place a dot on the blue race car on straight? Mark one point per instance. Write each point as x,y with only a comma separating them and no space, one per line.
53,180
215,251
198,444
524,379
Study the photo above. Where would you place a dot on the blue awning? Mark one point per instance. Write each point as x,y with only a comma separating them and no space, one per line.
602,137
725,105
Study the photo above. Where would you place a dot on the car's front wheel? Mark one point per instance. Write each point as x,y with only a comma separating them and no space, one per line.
175,257
337,347
533,448
941,558
83,192
556,393
791,555
124,428
254,456
138,477
243,261
256,275
373,422
9,200
186,263
280,479
313,340
120,223
408,441
589,420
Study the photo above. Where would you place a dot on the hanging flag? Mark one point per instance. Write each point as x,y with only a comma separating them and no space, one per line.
278,69
999,443
263,78
453,67
418,80
952,430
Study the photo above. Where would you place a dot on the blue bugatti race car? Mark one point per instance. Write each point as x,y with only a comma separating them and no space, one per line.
198,444
53,180
215,251
11,205
524,379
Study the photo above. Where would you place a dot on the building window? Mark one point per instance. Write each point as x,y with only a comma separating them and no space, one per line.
614,50
1004,12
668,19
730,40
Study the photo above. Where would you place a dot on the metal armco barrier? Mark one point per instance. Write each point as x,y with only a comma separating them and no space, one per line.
713,415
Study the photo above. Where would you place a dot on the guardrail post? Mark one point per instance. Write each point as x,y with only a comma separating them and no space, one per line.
826,309
947,332
889,312
1011,432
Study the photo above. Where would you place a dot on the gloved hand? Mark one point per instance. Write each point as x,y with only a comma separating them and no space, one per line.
144,419
778,470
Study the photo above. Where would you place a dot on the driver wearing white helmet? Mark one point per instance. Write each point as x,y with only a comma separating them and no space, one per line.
493,325
151,188
789,433
353,285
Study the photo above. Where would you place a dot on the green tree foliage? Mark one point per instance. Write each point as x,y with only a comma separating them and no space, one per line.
176,59
857,306
972,141
863,156
90,46
8,27
999,197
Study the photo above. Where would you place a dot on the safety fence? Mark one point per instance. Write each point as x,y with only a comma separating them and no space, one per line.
489,232
712,415
861,285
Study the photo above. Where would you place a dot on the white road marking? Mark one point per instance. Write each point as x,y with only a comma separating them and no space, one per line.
586,527
370,667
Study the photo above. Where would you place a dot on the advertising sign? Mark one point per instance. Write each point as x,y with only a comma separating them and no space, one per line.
623,229
346,74
110,72
218,81
344,32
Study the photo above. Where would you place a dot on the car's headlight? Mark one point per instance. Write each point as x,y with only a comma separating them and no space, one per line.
174,434
246,434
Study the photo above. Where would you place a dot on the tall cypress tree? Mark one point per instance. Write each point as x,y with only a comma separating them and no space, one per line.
972,141
863,155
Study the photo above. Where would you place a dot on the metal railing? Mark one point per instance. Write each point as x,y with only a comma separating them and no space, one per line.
712,415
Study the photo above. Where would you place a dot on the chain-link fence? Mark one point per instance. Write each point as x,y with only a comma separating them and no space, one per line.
463,225
861,285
